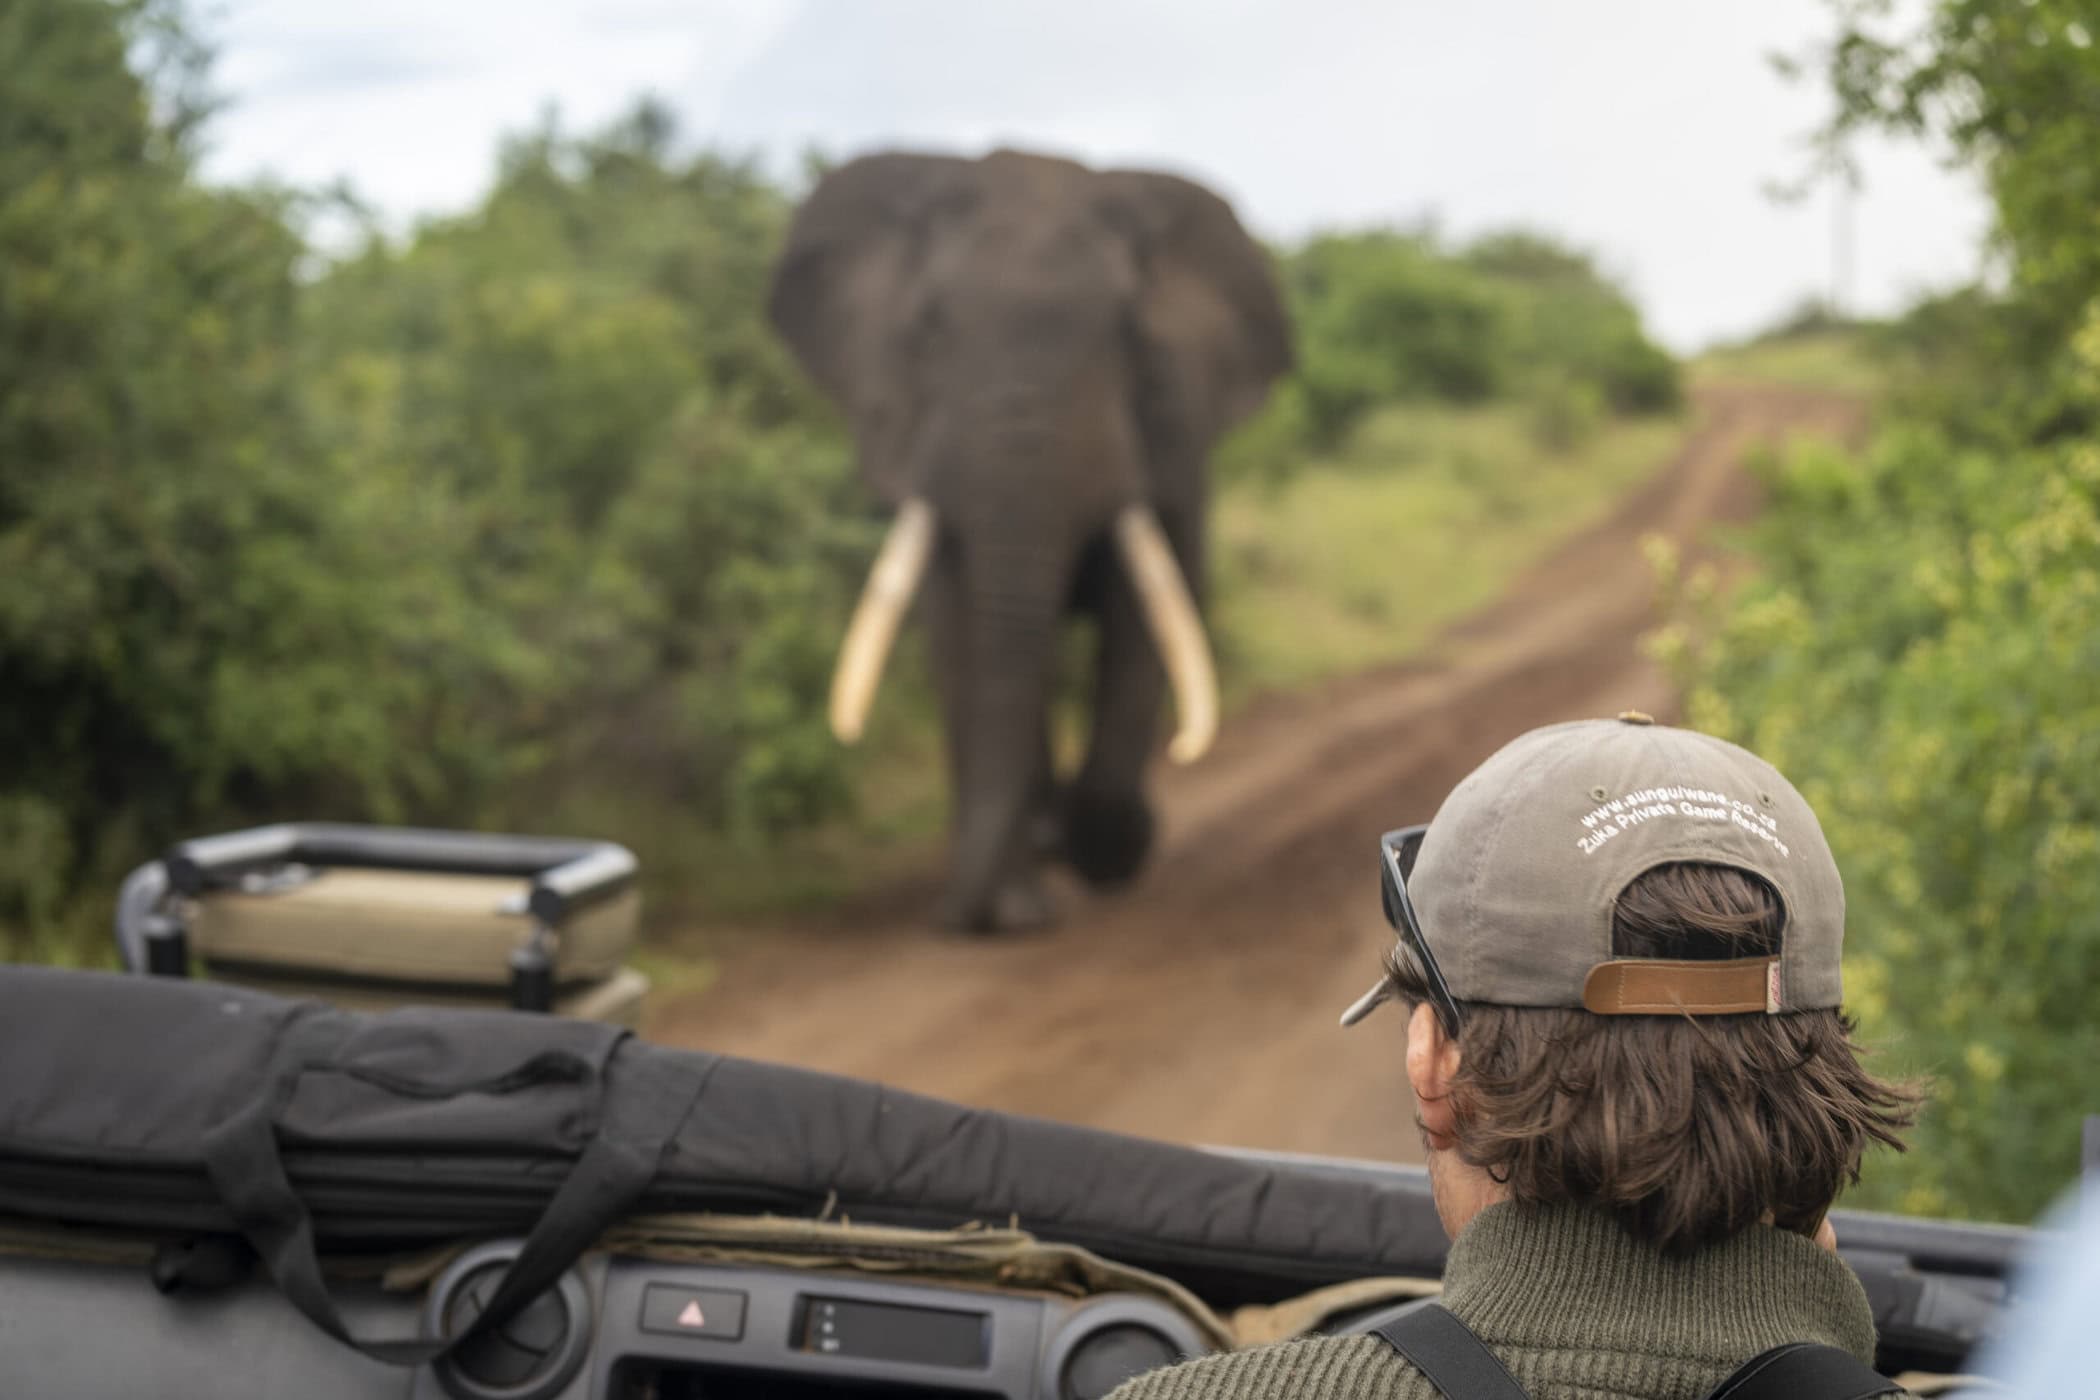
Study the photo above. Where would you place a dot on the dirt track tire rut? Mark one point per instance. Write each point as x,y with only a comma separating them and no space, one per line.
1200,1006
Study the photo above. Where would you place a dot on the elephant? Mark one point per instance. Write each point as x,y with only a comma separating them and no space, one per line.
1034,358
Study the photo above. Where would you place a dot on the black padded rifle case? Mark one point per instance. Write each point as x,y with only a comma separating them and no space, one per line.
166,1104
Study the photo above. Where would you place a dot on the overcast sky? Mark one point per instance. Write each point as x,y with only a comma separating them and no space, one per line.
1644,130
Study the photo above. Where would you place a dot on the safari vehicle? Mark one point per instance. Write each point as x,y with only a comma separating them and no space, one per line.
217,1190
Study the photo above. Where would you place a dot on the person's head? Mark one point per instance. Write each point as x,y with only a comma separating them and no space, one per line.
1619,950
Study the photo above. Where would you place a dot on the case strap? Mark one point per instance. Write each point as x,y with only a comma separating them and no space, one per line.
635,1124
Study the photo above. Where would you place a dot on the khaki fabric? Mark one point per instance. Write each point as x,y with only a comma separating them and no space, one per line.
23,1238
982,1257
976,1256
1309,1312
405,926
615,1000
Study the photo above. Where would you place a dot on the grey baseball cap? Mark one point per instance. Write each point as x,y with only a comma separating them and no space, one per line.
1518,873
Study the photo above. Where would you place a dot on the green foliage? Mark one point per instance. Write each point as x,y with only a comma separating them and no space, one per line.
143,420
1571,326
527,504
1381,316
580,371
1920,657
1384,316
2008,84
1920,654
1859,361
1359,558
1565,412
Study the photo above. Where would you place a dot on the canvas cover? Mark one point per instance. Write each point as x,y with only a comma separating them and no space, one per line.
164,1104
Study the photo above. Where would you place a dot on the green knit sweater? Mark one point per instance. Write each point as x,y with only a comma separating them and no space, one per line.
1577,1309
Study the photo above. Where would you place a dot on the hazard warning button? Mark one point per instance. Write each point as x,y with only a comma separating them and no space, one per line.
693,1312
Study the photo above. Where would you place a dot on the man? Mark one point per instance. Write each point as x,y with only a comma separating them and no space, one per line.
1618,946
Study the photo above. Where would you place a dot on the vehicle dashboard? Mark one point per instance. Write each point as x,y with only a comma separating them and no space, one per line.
614,1328
625,1327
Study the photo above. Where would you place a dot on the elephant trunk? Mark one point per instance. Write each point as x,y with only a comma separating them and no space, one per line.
1177,630
1010,605
892,581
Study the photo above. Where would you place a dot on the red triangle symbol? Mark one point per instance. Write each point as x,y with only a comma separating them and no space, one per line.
692,1316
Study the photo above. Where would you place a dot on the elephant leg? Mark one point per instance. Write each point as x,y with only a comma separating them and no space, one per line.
1046,832
1108,823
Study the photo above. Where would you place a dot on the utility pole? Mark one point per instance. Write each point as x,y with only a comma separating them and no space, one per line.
1843,209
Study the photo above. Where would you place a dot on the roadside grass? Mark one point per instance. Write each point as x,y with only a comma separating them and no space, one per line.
1840,360
1428,513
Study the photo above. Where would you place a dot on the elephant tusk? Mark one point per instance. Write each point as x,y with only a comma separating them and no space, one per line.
892,581
1177,630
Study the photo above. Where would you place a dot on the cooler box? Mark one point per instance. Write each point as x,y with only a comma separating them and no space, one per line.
371,917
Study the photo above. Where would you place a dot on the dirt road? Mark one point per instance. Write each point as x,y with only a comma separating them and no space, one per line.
1201,1006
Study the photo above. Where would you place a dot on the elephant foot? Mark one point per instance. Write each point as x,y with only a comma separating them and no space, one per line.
1022,906
1107,836
1017,906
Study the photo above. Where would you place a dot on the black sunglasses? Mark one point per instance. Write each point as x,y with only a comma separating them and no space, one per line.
1397,851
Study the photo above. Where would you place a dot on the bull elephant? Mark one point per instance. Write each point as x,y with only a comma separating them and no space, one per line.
1034,358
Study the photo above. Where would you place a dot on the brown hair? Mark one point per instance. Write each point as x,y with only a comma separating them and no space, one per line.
1688,1129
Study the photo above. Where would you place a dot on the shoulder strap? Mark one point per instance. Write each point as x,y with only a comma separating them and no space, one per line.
1461,1367
1804,1371
1449,1356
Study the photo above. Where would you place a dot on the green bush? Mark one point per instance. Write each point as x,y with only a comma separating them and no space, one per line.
1920,653
1380,317
1385,317
529,504
163,533
1565,413
638,483
1572,326
1920,657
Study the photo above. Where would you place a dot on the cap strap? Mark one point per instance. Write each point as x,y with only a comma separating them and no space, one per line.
1656,987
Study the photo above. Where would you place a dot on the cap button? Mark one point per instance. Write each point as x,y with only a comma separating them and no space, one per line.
1635,717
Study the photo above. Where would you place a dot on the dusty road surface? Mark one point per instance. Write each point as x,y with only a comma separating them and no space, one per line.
1201,1005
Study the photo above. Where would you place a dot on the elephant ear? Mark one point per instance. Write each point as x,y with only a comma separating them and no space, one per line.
1209,311
842,286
